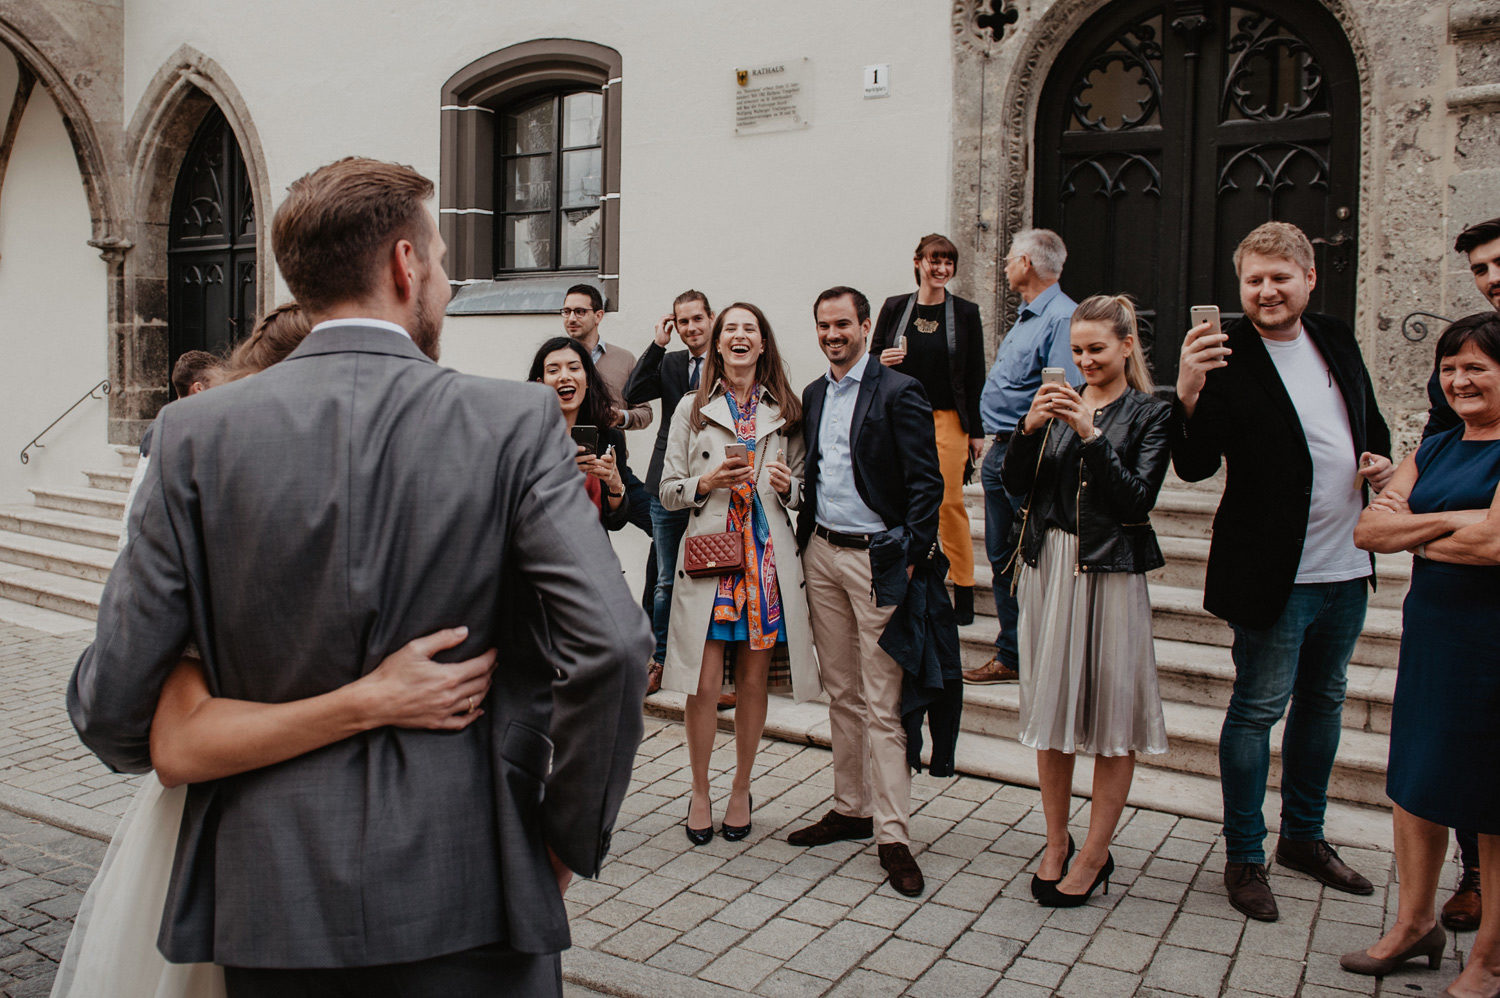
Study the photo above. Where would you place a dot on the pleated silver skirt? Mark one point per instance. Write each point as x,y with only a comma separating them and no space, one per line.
1088,666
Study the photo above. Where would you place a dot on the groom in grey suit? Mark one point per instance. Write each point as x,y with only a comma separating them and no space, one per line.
302,524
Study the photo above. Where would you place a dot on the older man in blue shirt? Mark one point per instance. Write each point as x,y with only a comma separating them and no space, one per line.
1038,339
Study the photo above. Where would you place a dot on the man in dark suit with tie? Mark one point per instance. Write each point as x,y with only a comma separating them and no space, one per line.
669,375
871,467
300,525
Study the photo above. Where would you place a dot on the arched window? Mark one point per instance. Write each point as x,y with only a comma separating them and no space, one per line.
529,181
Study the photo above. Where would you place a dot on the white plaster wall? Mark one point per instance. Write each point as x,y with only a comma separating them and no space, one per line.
772,219
52,305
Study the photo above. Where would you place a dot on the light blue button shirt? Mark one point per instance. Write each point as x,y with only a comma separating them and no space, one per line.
1038,339
839,506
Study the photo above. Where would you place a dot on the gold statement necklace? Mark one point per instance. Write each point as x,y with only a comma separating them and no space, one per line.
926,325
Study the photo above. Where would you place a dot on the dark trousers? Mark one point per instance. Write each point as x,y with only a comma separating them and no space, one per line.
640,516
1000,511
1468,848
485,970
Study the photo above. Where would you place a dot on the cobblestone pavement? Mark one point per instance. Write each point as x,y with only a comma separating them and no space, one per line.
763,917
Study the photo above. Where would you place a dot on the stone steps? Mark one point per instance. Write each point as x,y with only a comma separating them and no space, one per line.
111,480
59,593
104,503
74,528
76,561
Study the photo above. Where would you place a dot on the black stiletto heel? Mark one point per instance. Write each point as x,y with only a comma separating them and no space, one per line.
1038,885
1054,898
733,833
698,836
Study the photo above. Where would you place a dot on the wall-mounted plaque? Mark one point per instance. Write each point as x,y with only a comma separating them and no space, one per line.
772,97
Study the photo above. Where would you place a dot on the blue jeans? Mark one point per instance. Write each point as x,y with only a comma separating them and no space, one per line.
667,528
1000,511
1303,657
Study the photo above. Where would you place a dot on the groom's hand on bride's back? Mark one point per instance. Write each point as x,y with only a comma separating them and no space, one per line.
408,689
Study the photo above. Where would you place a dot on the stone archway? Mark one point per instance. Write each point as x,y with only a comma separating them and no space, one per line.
180,95
997,94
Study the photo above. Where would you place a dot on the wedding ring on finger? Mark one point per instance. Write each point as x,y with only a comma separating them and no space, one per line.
471,703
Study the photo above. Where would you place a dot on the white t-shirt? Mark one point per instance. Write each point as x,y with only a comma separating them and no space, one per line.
1328,552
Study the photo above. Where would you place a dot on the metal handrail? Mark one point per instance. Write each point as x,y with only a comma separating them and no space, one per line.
36,440
1417,331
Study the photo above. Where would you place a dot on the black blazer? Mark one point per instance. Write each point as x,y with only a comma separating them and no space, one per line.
895,457
965,363
658,374
1246,417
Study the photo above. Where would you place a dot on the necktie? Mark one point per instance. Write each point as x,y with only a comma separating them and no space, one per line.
696,363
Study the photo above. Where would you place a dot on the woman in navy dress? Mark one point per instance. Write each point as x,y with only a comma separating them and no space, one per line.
1443,506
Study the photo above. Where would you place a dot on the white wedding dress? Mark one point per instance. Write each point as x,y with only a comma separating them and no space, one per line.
112,949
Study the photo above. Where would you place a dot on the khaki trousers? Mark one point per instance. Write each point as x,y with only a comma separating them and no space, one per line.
870,775
953,518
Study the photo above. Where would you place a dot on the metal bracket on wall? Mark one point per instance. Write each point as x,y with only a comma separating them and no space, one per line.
1415,330
92,393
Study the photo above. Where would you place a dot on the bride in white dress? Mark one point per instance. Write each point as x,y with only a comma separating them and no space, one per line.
196,737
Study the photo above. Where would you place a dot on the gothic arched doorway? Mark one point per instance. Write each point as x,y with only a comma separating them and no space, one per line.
1168,129
211,245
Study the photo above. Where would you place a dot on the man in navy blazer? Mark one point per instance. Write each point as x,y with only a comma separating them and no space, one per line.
669,375
871,467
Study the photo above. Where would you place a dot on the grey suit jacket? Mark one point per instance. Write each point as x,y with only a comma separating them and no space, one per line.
299,526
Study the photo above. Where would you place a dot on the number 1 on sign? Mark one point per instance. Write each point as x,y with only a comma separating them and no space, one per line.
877,81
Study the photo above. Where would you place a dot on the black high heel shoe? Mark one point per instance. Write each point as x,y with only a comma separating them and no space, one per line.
698,836
1054,898
1038,885
733,833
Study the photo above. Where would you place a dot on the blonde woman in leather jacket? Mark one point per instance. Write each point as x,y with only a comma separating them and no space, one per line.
1091,462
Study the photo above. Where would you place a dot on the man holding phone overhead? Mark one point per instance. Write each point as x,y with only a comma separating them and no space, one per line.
1283,396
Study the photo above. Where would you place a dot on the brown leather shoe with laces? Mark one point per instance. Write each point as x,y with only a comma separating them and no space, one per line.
903,873
1461,913
991,672
1318,860
832,827
653,677
1250,891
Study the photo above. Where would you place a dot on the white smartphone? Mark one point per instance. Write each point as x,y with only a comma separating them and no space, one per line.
1206,313
899,343
1054,376
732,451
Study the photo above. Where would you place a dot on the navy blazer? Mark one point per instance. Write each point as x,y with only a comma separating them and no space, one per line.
1245,418
895,456
659,374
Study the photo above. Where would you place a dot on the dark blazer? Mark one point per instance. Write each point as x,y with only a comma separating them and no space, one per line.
965,357
659,374
895,457
1245,417
301,525
1117,478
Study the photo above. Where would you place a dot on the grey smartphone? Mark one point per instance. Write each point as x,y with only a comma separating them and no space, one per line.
899,343
1054,376
586,436
1199,314
732,451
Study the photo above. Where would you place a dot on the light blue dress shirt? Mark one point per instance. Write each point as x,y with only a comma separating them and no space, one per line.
1038,339
839,506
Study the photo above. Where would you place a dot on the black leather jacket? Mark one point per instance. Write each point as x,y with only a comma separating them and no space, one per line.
1117,477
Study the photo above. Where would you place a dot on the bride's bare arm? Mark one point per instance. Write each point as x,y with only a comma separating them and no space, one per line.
196,736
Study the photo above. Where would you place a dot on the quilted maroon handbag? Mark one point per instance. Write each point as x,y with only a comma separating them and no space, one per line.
705,556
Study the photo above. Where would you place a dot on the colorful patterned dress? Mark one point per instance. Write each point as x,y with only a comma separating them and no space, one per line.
747,606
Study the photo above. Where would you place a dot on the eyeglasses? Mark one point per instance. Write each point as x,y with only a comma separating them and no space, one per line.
568,313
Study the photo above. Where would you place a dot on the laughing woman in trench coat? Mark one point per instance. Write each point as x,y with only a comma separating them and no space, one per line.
759,615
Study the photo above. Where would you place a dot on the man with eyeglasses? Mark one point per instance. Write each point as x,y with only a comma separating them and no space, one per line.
582,311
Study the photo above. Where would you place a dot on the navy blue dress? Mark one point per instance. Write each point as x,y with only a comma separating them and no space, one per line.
1445,723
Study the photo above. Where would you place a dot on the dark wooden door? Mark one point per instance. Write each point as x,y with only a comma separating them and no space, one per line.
211,245
1168,130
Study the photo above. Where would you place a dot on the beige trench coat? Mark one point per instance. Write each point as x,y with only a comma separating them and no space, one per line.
691,453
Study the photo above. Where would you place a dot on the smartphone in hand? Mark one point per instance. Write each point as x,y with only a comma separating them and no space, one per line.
586,436
1054,376
1199,314
732,451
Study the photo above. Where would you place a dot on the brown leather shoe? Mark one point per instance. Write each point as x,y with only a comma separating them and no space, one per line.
1461,913
1318,860
1250,891
832,827
727,701
992,672
904,875
653,677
